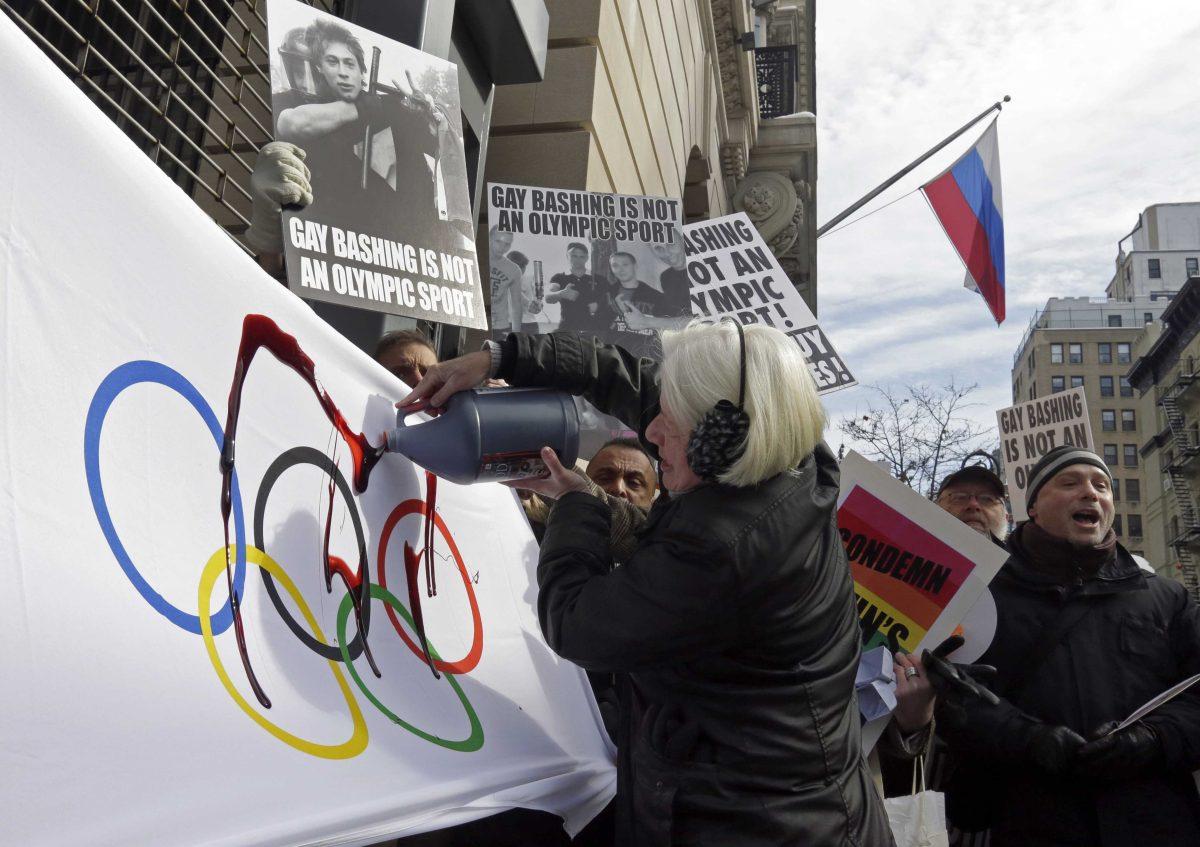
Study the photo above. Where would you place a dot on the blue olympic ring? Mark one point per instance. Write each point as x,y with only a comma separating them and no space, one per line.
132,373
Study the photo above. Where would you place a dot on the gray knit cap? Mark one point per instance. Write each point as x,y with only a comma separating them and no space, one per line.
1055,461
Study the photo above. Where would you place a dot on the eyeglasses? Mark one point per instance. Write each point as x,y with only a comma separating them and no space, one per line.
961,498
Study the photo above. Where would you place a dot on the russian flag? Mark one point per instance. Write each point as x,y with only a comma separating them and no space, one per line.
966,199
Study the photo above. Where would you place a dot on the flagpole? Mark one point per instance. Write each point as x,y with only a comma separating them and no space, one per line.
841,216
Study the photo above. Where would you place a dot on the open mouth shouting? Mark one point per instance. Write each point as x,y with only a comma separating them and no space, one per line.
1087,518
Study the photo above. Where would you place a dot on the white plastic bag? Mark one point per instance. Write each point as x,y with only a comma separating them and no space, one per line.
918,820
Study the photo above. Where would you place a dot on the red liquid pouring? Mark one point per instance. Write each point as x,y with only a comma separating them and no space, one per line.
260,331
352,581
412,563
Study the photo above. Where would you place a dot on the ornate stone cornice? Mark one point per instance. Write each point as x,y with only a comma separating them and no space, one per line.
729,56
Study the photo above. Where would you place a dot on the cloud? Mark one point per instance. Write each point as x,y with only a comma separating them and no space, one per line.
1102,124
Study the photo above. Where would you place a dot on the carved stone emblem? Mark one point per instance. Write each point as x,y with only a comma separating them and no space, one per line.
770,201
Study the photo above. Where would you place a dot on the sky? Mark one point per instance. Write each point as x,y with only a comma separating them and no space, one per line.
1104,121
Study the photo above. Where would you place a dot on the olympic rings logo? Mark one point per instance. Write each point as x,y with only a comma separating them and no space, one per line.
209,624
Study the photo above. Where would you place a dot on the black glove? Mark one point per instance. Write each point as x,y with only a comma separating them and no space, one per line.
950,678
1053,749
1120,756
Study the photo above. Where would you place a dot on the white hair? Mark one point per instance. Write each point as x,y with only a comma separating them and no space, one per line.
701,366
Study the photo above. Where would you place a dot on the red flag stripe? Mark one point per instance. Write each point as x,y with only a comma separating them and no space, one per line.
969,238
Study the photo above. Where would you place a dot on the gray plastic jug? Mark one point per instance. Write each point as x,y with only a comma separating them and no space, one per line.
492,435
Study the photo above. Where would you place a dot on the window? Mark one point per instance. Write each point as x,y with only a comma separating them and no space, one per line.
1135,525
1147,317
1133,490
1077,382
1110,454
1033,392
1031,352
1116,487
1123,353
1174,526
1117,524
1056,354
1108,420
1126,388
1114,320
1104,352
1193,266
1075,352
1131,456
1057,383
1106,386
1128,420
1155,268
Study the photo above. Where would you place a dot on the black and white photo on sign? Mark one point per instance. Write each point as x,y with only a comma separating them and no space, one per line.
607,265
390,225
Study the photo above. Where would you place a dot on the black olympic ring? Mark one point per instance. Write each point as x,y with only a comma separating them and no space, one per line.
289,459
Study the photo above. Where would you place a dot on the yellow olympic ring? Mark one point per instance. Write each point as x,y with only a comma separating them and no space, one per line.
358,739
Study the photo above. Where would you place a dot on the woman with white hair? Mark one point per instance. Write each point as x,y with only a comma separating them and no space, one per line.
733,621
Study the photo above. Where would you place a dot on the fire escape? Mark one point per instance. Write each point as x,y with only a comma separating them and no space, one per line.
1184,454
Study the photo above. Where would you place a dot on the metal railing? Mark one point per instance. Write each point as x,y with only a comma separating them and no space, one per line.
775,69
187,80
1185,448
1066,317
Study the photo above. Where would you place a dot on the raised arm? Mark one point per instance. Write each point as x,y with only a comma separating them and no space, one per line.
312,120
613,379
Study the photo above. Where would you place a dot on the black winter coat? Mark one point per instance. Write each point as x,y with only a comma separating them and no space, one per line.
1140,636
735,622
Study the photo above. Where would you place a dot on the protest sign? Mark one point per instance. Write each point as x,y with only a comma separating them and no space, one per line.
733,272
1032,429
390,226
610,265
917,570
126,710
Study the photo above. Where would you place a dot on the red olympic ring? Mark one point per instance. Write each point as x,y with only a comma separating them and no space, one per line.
468,662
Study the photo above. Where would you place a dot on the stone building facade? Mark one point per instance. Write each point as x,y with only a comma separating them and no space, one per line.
677,98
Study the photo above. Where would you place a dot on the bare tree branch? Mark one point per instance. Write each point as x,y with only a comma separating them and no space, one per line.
921,431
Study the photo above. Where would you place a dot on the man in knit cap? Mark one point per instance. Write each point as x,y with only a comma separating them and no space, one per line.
1083,638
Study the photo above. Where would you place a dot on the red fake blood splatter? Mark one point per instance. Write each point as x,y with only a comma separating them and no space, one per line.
260,331
352,581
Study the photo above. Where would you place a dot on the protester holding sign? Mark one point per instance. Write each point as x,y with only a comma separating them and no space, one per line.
1084,636
377,125
735,615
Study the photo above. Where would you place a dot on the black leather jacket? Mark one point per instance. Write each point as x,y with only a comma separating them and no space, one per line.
1132,635
735,622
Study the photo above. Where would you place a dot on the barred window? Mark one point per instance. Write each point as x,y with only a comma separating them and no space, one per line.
186,80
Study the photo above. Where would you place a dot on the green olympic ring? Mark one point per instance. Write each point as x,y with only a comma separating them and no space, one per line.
472,742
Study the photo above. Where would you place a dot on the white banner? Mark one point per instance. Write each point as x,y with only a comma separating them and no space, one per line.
1032,429
126,711
733,272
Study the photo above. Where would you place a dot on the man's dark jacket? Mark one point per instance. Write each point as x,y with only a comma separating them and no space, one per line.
735,622
1140,635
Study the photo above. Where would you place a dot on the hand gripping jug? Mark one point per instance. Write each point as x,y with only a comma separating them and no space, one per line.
492,435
